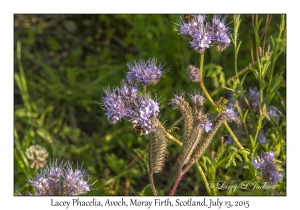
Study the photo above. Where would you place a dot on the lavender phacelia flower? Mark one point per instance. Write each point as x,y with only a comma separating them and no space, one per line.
231,115
266,163
128,92
61,180
219,33
114,106
193,73
143,115
201,41
205,124
37,156
202,34
144,72
255,163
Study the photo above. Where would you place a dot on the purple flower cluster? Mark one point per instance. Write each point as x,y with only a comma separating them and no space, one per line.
125,103
143,113
61,180
202,34
219,33
268,166
144,72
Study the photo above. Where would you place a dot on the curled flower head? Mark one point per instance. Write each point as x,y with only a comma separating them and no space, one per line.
55,180
37,156
266,163
178,100
193,73
114,106
144,72
198,101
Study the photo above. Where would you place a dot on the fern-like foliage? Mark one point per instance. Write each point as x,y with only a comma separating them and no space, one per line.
234,153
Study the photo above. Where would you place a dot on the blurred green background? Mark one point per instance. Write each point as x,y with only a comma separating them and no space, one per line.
63,62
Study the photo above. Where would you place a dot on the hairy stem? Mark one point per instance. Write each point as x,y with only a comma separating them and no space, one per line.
169,136
152,182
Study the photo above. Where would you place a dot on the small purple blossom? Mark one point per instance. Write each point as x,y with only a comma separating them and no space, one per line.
261,137
114,106
206,124
266,163
144,72
62,180
273,114
128,92
231,114
253,98
255,163
193,73
201,41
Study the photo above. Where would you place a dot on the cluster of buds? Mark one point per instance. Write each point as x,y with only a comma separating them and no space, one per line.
199,129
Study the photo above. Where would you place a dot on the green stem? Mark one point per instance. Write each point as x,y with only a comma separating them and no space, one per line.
275,55
225,123
235,36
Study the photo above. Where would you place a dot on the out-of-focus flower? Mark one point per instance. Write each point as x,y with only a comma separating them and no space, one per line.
261,137
56,180
37,156
253,98
266,163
